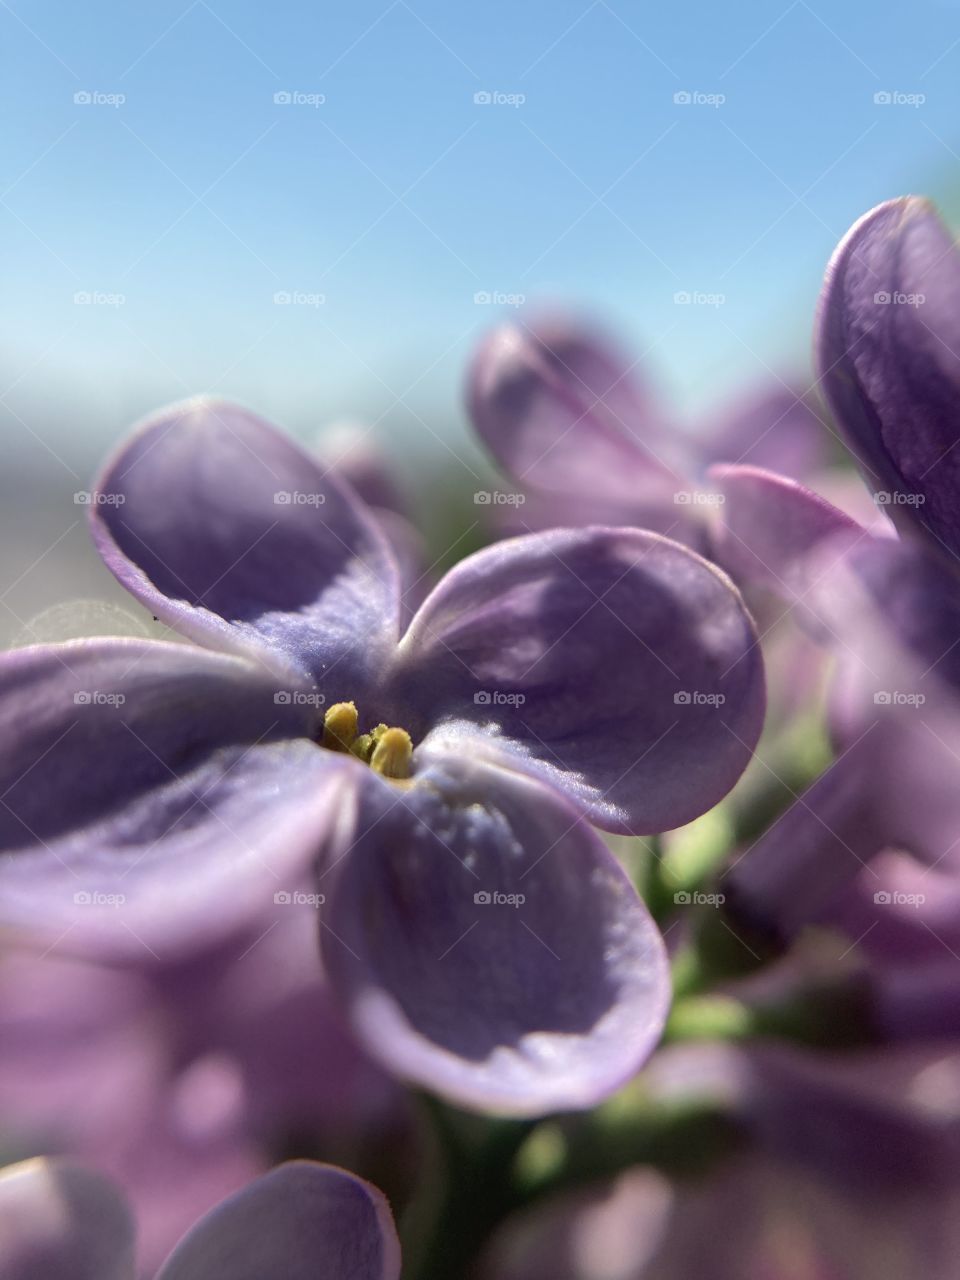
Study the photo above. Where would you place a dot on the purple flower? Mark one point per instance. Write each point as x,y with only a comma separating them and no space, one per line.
886,343
481,937
563,412
302,1221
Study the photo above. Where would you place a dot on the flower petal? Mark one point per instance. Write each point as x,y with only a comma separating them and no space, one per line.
301,1221
613,662
888,346
234,536
560,409
488,946
771,526
61,1222
152,794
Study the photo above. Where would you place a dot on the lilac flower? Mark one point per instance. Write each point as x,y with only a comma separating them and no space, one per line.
563,412
887,337
481,937
302,1221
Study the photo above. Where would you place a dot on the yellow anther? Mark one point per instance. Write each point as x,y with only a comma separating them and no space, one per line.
392,753
340,727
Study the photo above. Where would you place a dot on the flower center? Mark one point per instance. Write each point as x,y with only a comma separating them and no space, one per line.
386,748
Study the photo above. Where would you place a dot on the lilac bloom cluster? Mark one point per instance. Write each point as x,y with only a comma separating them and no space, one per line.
427,787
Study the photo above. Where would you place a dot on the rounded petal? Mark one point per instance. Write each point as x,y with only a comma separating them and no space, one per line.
888,348
560,409
615,663
61,1222
487,945
153,794
301,1221
236,537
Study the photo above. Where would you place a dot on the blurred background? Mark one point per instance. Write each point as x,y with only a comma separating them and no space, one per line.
316,209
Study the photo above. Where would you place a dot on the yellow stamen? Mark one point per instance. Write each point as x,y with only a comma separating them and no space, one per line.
392,753
340,727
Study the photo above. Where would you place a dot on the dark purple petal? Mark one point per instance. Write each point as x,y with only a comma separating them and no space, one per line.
888,346
301,1221
236,537
60,1222
560,409
488,946
770,528
615,663
154,796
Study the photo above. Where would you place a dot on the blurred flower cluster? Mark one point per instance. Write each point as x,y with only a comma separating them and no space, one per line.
590,911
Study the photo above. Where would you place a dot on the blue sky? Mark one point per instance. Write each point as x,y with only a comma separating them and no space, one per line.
398,198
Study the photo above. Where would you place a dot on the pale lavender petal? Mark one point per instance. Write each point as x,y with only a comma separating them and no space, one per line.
61,1222
560,408
488,946
301,1221
888,346
777,427
615,663
230,533
152,794
770,528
